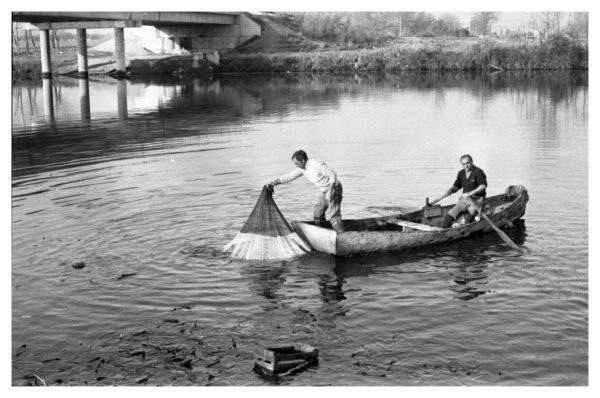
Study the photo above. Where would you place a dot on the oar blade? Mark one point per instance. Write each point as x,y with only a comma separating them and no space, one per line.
501,233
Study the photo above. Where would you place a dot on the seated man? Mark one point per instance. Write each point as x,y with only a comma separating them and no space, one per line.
325,179
473,182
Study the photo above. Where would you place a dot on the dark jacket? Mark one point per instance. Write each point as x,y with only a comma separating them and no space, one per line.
476,178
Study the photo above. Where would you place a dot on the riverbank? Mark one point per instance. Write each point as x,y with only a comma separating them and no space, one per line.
424,55
26,67
409,54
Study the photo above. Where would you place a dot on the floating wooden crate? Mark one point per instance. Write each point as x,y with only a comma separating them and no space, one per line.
274,360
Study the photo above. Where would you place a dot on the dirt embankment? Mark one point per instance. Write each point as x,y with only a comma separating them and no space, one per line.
280,34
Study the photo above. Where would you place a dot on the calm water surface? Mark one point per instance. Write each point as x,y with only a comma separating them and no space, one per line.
145,180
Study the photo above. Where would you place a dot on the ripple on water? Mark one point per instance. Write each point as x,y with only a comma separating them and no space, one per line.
148,201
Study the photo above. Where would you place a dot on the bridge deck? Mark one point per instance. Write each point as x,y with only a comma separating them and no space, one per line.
146,18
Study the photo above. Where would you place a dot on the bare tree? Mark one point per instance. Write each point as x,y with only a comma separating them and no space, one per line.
32,40
546,23
55,41
451,21
577,26
481,22
15,35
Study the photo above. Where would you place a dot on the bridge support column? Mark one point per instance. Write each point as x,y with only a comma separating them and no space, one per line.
84,99
120,50
122,99
82,58
45,52
48,98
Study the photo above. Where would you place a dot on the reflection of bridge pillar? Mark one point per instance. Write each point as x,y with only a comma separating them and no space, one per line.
82,61
45,52
122,98
120,50
84,99
48,98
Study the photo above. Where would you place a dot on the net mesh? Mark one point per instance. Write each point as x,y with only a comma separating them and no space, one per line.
266,235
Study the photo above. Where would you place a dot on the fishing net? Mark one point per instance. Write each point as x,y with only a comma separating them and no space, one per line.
266,234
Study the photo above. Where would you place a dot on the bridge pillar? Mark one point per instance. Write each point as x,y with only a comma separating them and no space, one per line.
84,99
120,50
122,99
48,90
45,52
82,58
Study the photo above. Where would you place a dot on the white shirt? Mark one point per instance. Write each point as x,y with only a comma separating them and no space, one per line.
316,171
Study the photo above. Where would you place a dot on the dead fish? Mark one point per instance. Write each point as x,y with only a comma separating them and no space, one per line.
187,363
142,353
126,275
181,308
142,379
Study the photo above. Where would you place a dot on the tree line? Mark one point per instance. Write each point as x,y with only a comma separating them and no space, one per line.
377,28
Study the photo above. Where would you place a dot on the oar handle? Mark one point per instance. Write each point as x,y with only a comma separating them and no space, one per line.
429,204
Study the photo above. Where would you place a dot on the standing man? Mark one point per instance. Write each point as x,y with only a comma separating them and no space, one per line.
473,182
325,179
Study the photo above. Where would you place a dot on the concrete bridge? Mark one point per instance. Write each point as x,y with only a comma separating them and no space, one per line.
164,32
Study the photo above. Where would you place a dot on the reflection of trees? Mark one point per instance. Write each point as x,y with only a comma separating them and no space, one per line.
540,101
197,106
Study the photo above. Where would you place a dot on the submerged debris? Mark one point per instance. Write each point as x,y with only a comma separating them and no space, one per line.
273,360
143,379
126,275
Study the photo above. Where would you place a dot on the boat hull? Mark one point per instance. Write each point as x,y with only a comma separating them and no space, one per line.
381,234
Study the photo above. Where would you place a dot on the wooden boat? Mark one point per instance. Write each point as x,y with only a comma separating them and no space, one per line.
274,360
419,228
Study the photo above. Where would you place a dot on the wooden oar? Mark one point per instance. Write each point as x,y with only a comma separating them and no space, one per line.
501,233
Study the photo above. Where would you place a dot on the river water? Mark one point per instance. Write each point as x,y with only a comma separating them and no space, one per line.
145,180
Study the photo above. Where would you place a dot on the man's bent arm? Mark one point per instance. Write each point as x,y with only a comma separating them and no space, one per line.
287,177
480,188
445,194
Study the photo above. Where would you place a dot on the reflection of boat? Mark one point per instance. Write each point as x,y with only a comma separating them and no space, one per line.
418,228
279,359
